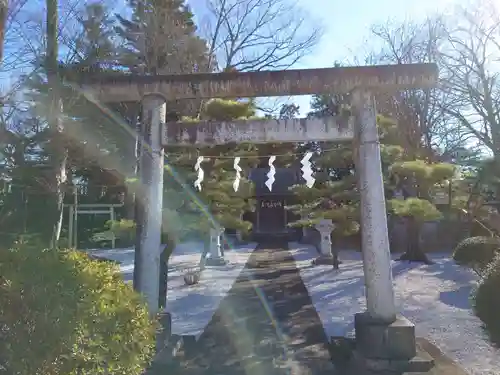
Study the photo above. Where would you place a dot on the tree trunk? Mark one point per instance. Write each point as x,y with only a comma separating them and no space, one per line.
414,252
4,8
57,150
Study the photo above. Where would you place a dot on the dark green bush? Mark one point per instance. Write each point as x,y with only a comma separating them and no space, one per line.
487,301
476,252
63,313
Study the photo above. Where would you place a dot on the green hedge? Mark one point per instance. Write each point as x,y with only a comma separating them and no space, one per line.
476,252
487,300
63,313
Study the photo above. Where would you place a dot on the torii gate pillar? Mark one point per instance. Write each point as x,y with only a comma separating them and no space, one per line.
384,339
374,233
151,194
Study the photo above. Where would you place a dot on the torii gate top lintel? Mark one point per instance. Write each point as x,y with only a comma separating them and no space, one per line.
121,87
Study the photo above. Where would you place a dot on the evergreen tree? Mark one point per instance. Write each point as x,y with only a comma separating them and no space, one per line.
160,38
95,48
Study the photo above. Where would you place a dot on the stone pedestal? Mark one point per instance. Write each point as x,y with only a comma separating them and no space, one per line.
216,258
386,348
384,340
325,228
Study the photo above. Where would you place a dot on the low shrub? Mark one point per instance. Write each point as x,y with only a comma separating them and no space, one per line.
64,313
487,301
476,252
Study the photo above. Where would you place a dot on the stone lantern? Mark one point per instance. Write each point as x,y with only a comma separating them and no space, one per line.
325,228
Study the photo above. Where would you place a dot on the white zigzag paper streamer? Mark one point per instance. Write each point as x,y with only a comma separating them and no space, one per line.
271,173
306,170
238,170
201,174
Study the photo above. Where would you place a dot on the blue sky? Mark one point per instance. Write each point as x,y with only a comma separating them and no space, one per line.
347,25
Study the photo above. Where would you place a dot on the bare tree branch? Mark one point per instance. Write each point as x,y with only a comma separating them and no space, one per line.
419,113
260,34
470,69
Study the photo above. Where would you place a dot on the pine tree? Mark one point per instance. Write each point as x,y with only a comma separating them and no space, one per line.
160,38
96,48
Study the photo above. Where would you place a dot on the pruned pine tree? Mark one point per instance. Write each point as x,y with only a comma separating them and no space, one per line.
217,204
419,180
411,177
334,195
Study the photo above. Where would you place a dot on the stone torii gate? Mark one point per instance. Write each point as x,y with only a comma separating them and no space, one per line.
380,331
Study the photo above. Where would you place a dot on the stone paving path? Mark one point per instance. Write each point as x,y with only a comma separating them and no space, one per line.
266,325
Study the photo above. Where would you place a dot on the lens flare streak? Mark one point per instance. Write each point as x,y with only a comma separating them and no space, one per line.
169,168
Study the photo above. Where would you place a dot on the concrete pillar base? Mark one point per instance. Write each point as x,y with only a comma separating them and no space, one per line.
383,347
361,365
378,339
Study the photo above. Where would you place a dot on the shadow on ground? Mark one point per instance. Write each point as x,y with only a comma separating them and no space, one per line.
459,298
266,324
